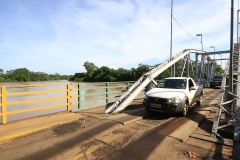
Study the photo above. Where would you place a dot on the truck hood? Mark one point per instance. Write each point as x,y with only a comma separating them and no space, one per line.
165,93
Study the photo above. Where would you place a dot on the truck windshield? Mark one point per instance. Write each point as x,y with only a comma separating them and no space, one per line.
172,83
218,77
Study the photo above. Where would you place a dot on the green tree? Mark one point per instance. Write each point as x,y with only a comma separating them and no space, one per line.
90,67
78,77
219,69
142,69
103,74
21,74
1,72
2,78
123,74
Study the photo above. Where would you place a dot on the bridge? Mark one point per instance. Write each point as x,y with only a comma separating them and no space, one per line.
223,107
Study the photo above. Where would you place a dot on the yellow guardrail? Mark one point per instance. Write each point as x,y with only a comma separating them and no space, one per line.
98,94
4,95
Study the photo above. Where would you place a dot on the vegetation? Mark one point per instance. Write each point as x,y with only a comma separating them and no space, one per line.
23,75
106,74
95,74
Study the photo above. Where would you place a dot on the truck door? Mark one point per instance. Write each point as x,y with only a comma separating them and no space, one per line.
191,92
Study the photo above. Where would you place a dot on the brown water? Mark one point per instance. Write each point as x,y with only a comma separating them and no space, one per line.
61,85
11,88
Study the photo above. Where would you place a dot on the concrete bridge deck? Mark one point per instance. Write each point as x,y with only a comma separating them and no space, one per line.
187,131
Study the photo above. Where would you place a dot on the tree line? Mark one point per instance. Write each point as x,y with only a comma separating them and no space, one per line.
106,74
24,75
95,74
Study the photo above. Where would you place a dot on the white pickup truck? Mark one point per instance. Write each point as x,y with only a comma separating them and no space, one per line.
174,95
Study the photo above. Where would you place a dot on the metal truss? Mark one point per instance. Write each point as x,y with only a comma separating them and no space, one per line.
144,80
204,72
228,107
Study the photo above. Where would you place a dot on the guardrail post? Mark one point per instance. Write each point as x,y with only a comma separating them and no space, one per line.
107,90
4,105
127,85
68,98
79,96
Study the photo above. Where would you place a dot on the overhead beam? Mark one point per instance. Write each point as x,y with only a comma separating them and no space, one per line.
218,52
221,59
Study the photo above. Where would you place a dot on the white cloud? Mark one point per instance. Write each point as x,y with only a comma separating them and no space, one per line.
110,33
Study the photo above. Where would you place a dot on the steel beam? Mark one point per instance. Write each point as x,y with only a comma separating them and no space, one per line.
196,73
187,66
237,112
208,76
229,100
221,59
217,52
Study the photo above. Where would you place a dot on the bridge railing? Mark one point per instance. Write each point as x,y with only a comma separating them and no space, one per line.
92,95
23,101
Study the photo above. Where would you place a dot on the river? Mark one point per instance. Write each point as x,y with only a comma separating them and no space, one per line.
32,87
90,97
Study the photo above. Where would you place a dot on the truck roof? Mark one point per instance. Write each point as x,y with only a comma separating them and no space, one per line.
176,78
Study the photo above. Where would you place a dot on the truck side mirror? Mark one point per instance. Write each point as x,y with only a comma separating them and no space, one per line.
193,88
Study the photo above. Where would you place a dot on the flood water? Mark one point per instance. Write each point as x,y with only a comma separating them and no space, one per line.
38,86
92,95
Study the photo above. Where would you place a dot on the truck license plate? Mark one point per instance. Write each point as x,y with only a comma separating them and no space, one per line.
155,105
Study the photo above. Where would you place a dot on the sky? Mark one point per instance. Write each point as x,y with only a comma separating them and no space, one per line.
58,36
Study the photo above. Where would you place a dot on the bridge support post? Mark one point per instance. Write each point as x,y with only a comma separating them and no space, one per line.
237,107
187,66
4,105
211,71
203,70
196,74
173,70
127,85
79,96
107,92
68,98
208,69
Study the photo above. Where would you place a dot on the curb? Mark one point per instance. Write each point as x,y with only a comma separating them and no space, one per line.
31,131
31,125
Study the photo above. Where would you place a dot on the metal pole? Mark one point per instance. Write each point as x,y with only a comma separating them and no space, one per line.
231,56
202,63
203,69
196,73
208,76
221,61
172,68
237,24
187,66
214,51
196,76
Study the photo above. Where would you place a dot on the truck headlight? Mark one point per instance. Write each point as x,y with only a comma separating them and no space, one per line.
176,99
146,96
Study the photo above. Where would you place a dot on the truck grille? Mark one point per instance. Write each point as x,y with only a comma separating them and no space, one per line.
157,100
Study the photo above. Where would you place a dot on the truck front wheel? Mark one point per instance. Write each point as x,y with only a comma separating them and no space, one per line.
199,101
185,110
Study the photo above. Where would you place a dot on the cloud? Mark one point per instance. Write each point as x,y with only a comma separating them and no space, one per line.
59,36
